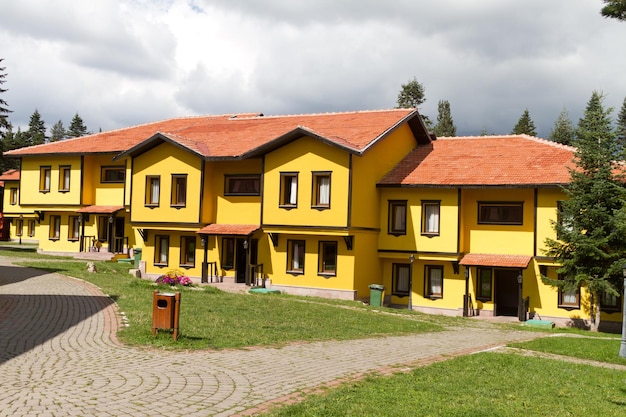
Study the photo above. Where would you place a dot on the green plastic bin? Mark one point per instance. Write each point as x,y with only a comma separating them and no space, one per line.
376,295
137,255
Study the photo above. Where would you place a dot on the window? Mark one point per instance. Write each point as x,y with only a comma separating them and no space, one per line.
484,284
153,188
31,228
228,253
327,258
64,178
321,190
610,302
568,297
161,250
400,277
434,281
500,213
430,218
13,196
179,190
44,179
242,185
295,256
19,227
397,217
103,228
55,227
288,189
562,219
188,251
112,174
73,232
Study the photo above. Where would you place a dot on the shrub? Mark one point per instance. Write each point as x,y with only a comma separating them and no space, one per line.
174,277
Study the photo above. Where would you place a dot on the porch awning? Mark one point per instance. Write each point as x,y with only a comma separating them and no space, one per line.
100,209
496,260
229,229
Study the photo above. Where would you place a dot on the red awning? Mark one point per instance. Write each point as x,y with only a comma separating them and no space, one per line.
229,229
100,209
503,261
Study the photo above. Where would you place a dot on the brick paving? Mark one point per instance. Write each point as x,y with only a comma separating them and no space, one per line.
59,357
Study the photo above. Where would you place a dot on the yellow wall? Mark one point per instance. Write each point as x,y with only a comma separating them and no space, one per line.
174,253
547,214
97,192
305,156
165,160
12,210
30,176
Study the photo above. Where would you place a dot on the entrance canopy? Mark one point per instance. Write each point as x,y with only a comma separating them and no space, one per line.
496,260
100,209
229,229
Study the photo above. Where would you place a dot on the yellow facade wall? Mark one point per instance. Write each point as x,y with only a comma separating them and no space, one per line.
174,256
97,191
35,194
163,161
547,202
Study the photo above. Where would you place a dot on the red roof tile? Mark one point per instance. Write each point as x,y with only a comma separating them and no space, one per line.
511,160
229,229
100,209
10,175
495,260
240,135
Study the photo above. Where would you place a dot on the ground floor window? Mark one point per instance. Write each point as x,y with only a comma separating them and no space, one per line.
327,263
73,232
484,285
569,297
19,227
610,302
103,228
295,256
434,281
161,250
228,253
31,228
188,251
55,228
400,277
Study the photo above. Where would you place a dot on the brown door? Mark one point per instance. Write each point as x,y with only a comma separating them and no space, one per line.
506,292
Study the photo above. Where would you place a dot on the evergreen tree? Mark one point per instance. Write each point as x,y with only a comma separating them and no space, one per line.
411,96
77,127
4,107
621,126
525,125
57,132
9,142
36,134
563,131
591,230
615,9
445,125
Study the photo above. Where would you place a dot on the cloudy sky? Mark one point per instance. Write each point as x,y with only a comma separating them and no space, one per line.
125,62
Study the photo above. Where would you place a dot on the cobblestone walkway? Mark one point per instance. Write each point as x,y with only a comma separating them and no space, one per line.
59,357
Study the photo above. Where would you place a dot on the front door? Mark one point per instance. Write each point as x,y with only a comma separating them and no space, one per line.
506,297
241,261
118,235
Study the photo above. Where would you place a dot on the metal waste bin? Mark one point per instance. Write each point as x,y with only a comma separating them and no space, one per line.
165,312
376,295
136,256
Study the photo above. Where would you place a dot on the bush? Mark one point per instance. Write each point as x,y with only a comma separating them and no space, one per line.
174,277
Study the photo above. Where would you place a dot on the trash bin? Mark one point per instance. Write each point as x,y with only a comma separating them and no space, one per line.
137,256
165,312
376,295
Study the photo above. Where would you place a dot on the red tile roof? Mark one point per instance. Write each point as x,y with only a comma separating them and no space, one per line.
229,229
495,260
100,209
10,175
512,160
241,135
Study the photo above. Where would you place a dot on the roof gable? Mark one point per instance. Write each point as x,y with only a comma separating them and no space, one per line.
511,160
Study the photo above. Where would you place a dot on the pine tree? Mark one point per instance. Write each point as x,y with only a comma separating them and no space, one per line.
77,127
615,9
36,134
591,244
57,132
525,125
621,126
411,96
4,107
563,131
445,125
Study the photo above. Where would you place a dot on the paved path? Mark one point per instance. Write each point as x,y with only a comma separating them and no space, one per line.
59,357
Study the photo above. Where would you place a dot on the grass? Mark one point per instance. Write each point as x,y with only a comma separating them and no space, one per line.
210,318
598,349
493,384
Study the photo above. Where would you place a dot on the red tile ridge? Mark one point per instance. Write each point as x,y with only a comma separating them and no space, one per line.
323,114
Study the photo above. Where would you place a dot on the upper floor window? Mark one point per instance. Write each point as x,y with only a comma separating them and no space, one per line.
321,190
55,228
430,217
288,189
44,179
327,258
153,189
434,281
161,250
295,256
188,251
397,217
400,279
64,178
484,284
501,213
112,174
73,232
242,185
13,196
179,190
